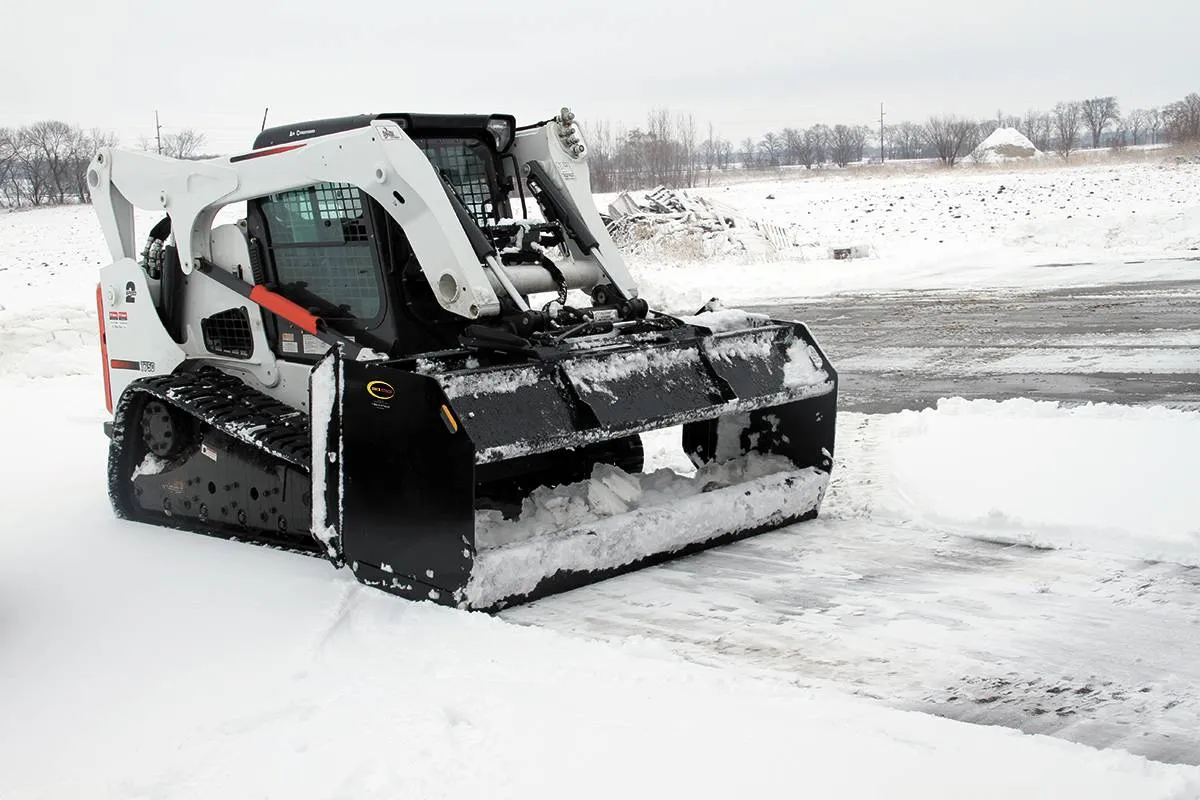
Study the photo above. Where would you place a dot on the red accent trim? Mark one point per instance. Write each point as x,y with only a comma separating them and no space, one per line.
104,350
278,304
270,151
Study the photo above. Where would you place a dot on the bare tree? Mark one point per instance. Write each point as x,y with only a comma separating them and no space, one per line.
846,143
748,151
9,186
601,157
1135,123
808,151
724,150
1181,120
907,140
1036,127
685,160
1098,114
793,143
820,136
1067,119
708,154
771,148
1154,124
49,144
185,144
948,136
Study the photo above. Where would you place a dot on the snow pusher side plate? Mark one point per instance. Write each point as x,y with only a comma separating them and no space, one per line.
422,460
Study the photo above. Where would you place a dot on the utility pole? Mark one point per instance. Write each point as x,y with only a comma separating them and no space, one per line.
157,132
881,158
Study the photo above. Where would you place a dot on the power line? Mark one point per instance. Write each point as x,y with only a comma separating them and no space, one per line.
881,158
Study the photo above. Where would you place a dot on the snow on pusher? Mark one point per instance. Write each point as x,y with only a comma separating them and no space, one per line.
419,354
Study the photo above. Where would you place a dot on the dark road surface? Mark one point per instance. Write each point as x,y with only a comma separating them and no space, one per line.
966,329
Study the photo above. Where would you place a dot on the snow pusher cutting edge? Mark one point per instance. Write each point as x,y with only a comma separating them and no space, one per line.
433,471
368,367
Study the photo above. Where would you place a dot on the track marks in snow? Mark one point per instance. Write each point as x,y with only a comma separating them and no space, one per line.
52,341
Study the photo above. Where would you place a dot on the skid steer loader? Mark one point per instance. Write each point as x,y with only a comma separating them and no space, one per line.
406,343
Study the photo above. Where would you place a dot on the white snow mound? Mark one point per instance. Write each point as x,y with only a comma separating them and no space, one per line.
1005,144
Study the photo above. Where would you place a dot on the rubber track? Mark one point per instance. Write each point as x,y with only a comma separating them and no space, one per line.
230,406
233,408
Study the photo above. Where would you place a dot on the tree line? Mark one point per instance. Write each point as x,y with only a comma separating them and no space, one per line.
45,163
669,151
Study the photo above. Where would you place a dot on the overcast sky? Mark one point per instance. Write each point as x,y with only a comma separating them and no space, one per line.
747,66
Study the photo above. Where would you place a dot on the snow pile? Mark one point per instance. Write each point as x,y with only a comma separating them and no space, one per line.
615,518
1115,479
1002,145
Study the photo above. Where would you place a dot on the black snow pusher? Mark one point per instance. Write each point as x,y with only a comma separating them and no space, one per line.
485,486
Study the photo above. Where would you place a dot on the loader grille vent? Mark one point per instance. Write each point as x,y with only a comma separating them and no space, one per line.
465,163
227,333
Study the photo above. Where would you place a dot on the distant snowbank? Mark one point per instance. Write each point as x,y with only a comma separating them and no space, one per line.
1101,477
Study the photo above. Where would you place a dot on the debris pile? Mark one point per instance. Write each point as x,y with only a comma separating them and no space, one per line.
675,225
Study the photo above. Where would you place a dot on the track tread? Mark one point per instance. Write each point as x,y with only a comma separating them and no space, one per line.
233,408
228,405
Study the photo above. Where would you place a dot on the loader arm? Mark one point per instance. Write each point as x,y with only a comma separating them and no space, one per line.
379,159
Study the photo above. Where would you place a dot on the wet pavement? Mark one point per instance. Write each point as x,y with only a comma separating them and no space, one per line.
967,331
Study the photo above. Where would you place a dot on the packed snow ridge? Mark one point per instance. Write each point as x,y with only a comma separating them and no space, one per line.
616,518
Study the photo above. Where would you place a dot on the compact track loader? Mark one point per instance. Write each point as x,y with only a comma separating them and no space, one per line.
407,343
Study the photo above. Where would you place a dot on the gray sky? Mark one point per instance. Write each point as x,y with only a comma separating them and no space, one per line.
747,66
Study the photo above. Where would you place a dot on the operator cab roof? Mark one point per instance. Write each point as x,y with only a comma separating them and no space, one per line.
497,127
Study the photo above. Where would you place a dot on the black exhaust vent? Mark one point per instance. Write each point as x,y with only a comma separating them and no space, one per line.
227,333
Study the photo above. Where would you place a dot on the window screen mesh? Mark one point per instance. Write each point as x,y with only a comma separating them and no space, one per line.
343,275
465,163
321,247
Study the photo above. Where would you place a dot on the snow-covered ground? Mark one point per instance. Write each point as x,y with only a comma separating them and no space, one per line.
977,560
950,230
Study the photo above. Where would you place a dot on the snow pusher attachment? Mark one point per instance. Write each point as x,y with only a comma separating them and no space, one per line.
481,487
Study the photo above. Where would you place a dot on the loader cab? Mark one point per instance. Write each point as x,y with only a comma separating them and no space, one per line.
331,248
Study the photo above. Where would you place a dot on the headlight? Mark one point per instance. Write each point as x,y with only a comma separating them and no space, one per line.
501,129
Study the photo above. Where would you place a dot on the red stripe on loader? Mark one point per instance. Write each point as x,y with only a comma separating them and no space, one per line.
278,304
104,350
273,151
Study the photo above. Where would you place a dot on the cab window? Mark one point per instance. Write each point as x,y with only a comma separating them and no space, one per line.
321,249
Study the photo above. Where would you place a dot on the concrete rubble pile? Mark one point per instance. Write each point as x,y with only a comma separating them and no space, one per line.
668,223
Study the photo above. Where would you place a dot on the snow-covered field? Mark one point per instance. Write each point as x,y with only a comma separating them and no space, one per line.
973,546
960,230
